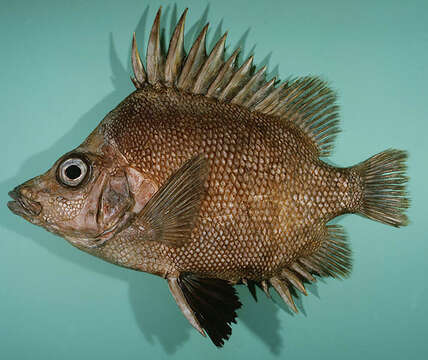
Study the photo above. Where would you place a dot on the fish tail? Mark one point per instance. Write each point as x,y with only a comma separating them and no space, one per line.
384,197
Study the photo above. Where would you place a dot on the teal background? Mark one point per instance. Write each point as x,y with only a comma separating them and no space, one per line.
65,64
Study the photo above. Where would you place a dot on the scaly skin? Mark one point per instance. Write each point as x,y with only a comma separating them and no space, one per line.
268,195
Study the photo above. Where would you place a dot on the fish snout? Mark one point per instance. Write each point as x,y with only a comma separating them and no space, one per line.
22,204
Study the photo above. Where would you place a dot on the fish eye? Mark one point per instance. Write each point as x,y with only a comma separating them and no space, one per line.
72,171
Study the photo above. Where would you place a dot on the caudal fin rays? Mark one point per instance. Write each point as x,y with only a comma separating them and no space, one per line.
385,198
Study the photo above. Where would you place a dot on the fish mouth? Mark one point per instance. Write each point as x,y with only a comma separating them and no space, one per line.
22,205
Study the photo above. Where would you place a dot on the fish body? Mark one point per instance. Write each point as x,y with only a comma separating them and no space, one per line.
208,175
268,196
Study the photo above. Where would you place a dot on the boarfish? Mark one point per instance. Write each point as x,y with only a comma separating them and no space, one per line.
209,175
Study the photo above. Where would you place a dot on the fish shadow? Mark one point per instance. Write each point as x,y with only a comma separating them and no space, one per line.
156,313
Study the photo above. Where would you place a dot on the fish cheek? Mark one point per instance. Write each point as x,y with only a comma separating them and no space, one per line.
115,200
82,221
141,187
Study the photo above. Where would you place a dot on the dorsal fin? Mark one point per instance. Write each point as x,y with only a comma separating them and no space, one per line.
307,102
175,55
155,58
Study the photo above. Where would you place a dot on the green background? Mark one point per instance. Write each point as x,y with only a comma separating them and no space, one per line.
65,64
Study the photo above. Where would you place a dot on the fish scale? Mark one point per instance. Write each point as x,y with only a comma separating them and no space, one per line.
210,175
254,220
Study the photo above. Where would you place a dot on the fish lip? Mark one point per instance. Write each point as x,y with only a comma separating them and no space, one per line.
22,205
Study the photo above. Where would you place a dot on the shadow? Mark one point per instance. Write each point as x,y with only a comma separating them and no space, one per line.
159,320
192,34
261,318
213,36
243,54
313,288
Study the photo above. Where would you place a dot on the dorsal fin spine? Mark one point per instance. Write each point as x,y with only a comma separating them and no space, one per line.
275,108
260,94
140,75
209,70
307,102
223,76
154,53
250,87
194,61
175,55
237,79
269,102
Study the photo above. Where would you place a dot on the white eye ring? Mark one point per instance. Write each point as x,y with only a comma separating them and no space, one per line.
72,171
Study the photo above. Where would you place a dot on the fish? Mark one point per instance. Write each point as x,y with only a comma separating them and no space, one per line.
211,175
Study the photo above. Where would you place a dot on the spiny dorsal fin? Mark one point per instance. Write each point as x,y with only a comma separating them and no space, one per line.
137,65
175,55
250,87
238,81
155,58
223,75
306,102
210,68
194,61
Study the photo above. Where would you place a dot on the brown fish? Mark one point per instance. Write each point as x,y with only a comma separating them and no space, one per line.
209,175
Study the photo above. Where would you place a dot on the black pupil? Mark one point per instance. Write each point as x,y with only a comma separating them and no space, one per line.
73,172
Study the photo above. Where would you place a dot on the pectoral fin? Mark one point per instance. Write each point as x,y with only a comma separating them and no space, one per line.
208,304
170,215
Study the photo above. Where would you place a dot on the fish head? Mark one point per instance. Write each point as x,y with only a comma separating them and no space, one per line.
87,196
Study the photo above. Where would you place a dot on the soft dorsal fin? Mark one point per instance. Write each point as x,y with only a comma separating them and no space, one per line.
307,102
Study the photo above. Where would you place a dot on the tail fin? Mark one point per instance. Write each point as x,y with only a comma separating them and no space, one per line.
385,198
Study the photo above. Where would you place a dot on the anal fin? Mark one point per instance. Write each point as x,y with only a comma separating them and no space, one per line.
209,304
333,259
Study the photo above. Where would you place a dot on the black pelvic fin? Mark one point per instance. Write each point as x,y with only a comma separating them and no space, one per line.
214,303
